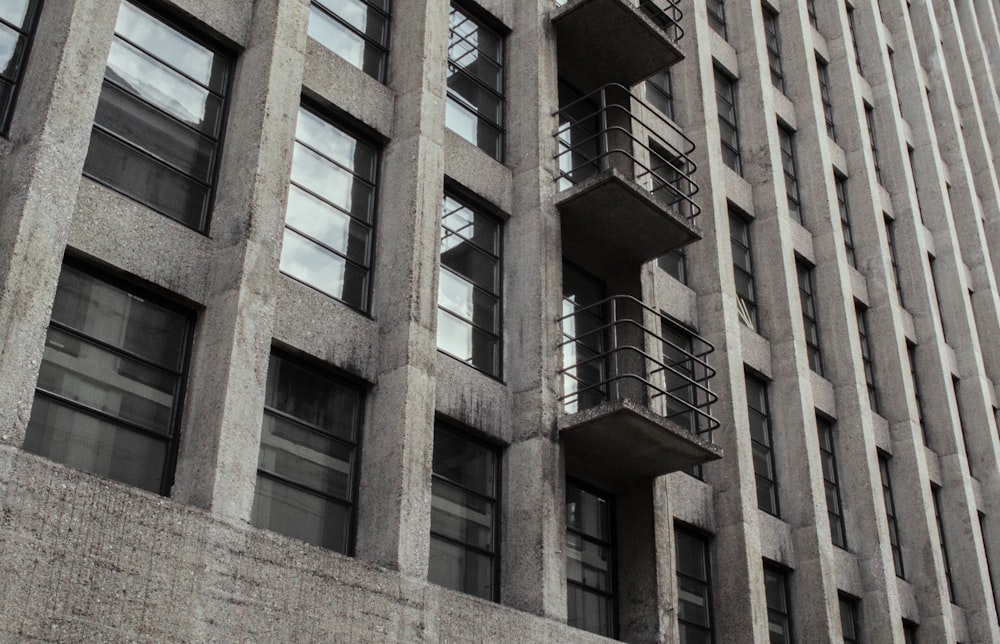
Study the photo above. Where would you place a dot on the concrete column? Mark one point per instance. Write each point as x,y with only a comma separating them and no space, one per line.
43,161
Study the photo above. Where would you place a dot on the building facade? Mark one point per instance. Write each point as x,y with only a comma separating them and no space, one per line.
537,320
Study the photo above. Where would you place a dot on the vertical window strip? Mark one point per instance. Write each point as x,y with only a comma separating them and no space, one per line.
867,360
716,10
831,482
890,238
778,603
762,443
773,42
746,289
17,30
936,497
845,219
823,71
850,619
694,588
813,18
675,263
854,39
911,357
355,30
725,99
785,138
810,325
890,515
590,562
660,92
870,122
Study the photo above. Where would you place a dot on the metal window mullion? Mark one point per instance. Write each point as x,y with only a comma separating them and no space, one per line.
368,39
65,328
177,71
156,159
464,488
491,554
354,174
111,418
309,426
289,482
475,79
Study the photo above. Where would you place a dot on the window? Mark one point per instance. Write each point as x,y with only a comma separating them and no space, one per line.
911,356
694,589
17,26
763,453
675,263
716,10
811,9
791,175
773,49
870,121
660,92
307,466
746,289
465,488
475,106
669,182
931,262
989,563
158,129
590,572
961,424
469,286
823,71
111,382
807,300
331,210
583,341
854,38
683,353
779,621
890,238
909,632
729,132
845,219
850,619
867,361
936,497
831,482
355,30
890,514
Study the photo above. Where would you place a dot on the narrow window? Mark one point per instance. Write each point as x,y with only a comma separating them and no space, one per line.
469,286
831,482
465,486
694,588
660,92
685,376
961,424
716,10
158,129
936,497
331,210
785,137
670,182
763,452
111,383
867,360
17,28
913,178
779,621
583,341
911,357
807,299
355,30
850,619
729,132
579,137
307,466
746,289
931,262
989,564
822,69
845,219
890,238
909,632
890,514
590,572
811,9
675,263
870,121
773,43
475,105
854,38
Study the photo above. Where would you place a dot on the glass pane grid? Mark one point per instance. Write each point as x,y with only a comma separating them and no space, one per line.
351,38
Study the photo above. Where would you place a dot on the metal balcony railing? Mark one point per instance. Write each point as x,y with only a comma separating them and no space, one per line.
667,17
610,352
611,128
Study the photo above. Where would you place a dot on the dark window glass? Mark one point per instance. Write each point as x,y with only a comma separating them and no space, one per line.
590,571
909,632
932,264
911,355
469,286
110,385
983,534
355,30
716,10
331,210
157,132
17,25
870,122
308,448
823,71
670,182
854,38
683,355
773,43
807,299
890,237
890,514
785,137
763,446
694,596
583,341
850,619
746,289
936,496
779,622
811,9
660,92
725,100
475,105
867,361
845,219
464,511
675,263
578,138
831,482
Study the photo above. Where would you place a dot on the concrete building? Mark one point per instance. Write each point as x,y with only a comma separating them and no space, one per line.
359,320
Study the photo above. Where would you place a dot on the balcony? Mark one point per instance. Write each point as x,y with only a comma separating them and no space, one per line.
613,41
636,402
625,175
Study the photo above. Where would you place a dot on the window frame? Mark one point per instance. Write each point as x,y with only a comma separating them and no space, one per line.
831,480
704,540
867,357
744,243
889,504
823,75
850,618
382,48
811,11
726,104
716,12
870,123
659,92
772,42
780,614
612,547
786,141
26,38
766,447
936,500
890,242
810,318
843,205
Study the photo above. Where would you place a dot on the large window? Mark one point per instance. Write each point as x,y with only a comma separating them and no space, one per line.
694,589
779,611
110,386
590,572
475,105
786,139
469,286
465,487
17,25
890,514
845,219
331,210
308,455
850,619
716,10
746,288
729,129
675,263
773,43
867,360
158,130
807,300
822,69
683,354
831,482
355,30
758,414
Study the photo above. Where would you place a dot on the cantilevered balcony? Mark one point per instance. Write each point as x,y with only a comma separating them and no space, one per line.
625,175
614,41
636,404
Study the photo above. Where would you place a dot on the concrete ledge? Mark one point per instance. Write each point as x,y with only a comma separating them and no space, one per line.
620,444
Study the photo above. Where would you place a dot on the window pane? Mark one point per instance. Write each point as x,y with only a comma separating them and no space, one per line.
323,270
474,107
10,47
589,611
458,568
14,11
461,516
297,513
342,25
331,182
465,462
588,513
312,398
328,225
306,457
